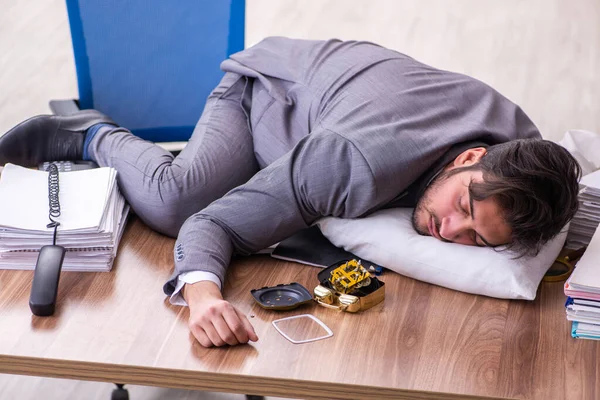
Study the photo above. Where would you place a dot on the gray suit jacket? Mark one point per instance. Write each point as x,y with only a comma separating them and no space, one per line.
340,129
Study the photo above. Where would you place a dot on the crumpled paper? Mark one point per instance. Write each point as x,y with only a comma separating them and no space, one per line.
585,147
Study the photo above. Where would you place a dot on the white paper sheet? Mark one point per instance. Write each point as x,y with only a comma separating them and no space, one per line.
93,216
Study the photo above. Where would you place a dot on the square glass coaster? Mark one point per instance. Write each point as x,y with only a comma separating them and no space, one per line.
302,328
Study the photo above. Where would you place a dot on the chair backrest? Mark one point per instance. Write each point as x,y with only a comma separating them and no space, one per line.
150,64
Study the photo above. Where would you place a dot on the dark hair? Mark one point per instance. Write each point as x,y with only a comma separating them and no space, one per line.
535,183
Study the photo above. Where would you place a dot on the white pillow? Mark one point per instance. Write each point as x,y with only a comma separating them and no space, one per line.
387,238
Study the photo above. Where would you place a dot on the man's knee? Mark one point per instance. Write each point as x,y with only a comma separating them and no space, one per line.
165,217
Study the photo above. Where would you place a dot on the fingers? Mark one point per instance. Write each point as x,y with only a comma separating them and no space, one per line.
234,328
221,324
203,330
231,324
213,335
247,325
201,336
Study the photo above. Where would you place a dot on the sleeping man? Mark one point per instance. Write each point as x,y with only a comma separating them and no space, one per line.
298,130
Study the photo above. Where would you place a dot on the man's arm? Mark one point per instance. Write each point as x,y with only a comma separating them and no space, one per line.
323,175
191,277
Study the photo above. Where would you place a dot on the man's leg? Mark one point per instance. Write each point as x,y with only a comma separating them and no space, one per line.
48,138
164,191
161,189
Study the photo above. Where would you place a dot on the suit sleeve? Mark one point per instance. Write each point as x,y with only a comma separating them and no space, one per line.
324,175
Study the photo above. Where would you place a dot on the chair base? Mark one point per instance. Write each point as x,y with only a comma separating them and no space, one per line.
64,107
120,393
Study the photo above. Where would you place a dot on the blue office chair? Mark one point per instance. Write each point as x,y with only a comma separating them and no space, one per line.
150,64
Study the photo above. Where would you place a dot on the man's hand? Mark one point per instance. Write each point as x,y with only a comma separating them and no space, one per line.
214,321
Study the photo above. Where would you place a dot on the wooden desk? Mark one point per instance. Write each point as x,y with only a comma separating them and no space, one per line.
423,342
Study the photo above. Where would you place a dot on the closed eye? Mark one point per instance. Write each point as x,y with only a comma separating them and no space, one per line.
472,234
461,208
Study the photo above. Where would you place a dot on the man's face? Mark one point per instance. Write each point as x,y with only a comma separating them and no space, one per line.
447,212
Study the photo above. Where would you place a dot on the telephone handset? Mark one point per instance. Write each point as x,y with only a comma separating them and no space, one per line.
44,288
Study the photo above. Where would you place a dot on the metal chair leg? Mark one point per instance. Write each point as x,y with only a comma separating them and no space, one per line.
120,393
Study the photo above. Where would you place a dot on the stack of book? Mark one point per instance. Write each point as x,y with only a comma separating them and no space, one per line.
583,289
92,217
587,219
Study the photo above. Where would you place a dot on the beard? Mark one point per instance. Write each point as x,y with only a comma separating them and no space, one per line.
424,205
421,208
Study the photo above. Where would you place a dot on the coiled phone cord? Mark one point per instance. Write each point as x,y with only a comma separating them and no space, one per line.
53,201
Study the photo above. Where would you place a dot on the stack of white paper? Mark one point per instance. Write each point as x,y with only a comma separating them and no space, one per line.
583,289
586,276
586,220
585,331
92,219
582,310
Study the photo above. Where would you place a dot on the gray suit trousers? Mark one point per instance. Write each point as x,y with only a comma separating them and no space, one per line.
164,190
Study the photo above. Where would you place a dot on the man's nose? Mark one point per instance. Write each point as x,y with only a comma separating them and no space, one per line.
453,228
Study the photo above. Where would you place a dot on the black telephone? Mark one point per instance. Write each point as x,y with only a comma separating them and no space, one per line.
44,288
66,166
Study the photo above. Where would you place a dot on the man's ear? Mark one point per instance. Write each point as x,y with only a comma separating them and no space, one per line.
469,157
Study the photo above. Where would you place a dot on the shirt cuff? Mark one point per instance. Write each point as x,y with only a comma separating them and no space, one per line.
191,277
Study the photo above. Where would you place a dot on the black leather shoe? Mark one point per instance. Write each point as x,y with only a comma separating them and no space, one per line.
48,138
